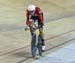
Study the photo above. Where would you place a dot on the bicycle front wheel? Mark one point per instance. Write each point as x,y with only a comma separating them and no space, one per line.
33,46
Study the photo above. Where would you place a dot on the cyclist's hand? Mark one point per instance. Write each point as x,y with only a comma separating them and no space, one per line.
41,25
31,22
26,28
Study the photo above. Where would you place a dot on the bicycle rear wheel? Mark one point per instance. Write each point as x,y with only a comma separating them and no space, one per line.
40,45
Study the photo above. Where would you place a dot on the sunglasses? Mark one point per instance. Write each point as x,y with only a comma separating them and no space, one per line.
31,11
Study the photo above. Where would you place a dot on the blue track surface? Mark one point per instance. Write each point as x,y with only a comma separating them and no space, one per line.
63,55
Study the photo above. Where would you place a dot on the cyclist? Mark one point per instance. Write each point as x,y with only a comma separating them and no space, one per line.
34,13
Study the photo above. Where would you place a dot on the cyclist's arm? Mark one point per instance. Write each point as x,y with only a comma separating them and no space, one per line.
27,17
40,13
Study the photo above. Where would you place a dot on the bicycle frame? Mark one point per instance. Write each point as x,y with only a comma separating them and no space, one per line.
36,40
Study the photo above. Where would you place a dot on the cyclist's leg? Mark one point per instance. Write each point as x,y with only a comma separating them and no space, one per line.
42,35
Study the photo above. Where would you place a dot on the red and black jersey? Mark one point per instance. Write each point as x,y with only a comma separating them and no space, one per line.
38,13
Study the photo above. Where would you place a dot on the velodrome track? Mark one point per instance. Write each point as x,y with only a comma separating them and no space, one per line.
59,30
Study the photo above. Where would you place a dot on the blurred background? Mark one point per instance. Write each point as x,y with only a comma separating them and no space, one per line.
12,12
